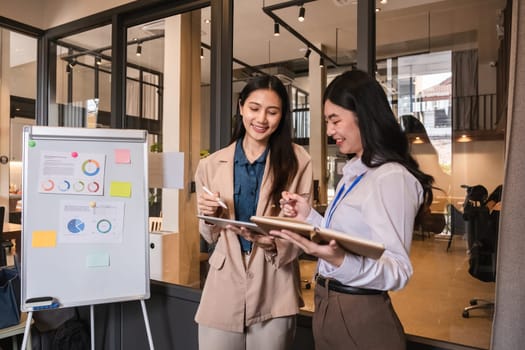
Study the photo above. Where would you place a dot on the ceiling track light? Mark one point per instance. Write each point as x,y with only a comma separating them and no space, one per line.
276,31
139,49
71,64
321,62
202,52
307,53
98,60
302,12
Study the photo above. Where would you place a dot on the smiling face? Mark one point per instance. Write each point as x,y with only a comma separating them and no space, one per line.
261,114
342,126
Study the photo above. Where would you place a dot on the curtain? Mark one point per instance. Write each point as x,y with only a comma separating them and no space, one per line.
150,97
508,330
465,104
132,98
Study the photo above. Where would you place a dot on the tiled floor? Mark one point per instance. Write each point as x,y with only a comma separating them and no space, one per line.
431,305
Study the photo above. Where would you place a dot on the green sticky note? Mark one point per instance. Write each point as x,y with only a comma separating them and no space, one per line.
120,189
97,260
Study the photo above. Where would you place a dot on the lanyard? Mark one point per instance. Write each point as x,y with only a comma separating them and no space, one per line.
341,194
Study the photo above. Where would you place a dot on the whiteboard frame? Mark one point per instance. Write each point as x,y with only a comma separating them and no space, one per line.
139,140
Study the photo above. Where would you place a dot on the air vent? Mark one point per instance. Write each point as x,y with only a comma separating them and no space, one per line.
284,74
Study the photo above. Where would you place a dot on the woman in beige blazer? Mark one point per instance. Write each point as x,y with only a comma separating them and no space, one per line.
252,291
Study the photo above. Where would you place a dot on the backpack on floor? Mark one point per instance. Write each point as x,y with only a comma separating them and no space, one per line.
72,335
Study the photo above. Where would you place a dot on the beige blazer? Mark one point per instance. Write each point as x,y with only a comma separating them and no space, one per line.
264,289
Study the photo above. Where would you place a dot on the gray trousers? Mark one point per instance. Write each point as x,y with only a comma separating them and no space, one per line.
273,334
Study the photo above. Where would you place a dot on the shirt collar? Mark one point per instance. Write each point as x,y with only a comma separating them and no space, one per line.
240,156
353,168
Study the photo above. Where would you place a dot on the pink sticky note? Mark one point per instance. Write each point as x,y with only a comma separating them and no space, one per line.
122,156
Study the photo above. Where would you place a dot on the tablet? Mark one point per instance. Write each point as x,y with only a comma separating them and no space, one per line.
222,222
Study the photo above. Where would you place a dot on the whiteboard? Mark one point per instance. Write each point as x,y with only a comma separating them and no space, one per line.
85,215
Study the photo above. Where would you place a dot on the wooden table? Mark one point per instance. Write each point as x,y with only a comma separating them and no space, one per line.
15,330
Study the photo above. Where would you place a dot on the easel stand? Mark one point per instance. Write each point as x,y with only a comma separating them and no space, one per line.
27,330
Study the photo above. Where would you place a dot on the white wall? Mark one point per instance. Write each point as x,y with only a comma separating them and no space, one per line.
22,80
481,162
473,163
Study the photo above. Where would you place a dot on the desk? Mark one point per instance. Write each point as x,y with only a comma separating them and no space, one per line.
14,231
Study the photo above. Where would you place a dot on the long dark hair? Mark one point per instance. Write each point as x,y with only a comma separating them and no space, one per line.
381,135
283,162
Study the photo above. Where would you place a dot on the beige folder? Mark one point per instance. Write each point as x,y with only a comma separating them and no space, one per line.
350,243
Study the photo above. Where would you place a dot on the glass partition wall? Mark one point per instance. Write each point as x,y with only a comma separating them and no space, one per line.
420,64
83,80
439,68
440,74
18,67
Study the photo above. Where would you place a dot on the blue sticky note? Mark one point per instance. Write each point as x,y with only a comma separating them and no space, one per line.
97,260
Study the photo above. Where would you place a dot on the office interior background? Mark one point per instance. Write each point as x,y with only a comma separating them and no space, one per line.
450,70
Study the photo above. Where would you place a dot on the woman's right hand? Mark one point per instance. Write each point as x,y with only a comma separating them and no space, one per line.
295,205
208,204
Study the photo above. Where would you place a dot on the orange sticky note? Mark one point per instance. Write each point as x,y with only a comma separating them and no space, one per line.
122,156
120,189
44,239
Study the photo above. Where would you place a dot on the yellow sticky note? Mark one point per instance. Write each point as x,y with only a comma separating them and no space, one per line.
44,239
120,189
122,156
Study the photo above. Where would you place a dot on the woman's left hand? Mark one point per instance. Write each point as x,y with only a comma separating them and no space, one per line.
331,252
266,242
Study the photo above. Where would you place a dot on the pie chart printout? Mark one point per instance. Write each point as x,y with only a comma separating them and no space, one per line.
75,226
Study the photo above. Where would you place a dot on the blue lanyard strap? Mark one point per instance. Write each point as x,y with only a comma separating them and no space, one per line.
340,195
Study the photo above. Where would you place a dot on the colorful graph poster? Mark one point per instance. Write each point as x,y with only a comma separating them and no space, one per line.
73,173
91,222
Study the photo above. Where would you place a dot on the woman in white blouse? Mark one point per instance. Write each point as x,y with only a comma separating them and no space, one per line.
379,198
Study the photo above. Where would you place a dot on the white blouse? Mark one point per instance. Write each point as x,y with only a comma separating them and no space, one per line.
381,207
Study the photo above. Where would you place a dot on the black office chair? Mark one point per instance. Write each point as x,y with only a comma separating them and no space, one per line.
482,231
5,245
456,224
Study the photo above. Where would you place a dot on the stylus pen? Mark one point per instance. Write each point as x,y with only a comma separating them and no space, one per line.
220,201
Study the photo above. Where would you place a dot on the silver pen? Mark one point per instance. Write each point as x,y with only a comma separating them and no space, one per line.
220,201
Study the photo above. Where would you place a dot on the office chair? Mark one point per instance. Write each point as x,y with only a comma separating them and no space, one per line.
5,245
482,231
456,222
